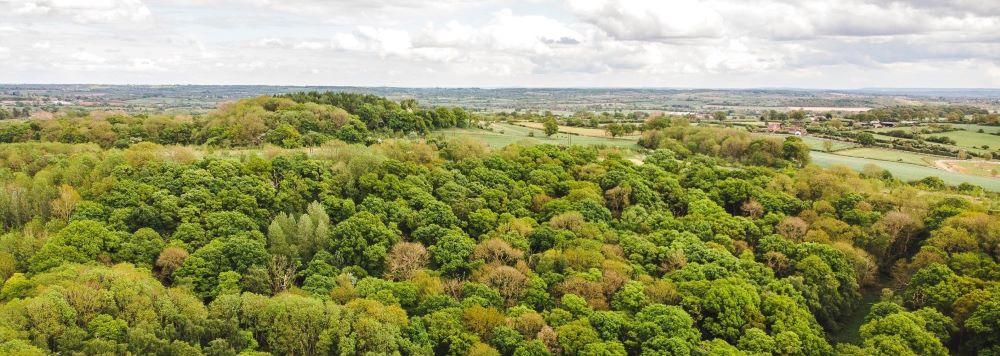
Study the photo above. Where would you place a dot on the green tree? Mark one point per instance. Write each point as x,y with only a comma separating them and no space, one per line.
80,241
728,307
615,129
551,127
451,253
142,248
865,139
362,240
284,135
575,336
985,324
202,268
900,333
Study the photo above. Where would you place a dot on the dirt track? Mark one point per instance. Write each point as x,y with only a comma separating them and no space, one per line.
950,166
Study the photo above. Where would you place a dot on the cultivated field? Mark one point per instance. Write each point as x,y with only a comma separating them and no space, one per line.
828,108
505,134
891,155
582,131
904,171
979,168
905,165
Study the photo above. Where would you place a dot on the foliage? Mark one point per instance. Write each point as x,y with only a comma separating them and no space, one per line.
719,243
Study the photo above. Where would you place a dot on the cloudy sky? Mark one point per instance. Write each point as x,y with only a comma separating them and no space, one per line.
501,43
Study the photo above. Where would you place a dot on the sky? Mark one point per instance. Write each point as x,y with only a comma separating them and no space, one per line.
501,43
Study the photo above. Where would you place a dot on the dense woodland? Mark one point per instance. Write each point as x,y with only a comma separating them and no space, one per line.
120,236
291,120
952,113
682,139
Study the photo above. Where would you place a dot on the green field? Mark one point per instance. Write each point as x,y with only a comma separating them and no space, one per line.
977,127
970,139
958,146
904,171
891,155
816,143
505,134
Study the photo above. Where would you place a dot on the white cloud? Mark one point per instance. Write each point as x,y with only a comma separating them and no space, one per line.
310,45
84,11
385,41
372,39
505,42
269,42
535,34
88,57
651,20
144,65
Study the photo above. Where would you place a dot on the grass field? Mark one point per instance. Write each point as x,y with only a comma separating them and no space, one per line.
505,134
952,147
970,139
816,143
891,155
977,127
582,131
904,171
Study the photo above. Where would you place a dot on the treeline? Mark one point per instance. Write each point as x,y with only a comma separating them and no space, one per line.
952,113
292,120
14,113
381,114
677,135
986,119
445,247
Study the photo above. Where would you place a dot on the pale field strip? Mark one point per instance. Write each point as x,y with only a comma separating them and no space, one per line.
829,108
582,131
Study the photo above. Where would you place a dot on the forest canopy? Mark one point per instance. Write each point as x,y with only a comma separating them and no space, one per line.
290,120
425,245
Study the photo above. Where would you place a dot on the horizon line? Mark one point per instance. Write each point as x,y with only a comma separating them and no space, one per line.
506,87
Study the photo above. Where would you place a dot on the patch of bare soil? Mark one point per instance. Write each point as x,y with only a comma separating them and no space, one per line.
953,165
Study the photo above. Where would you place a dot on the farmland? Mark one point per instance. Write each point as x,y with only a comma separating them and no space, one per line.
976,127
970,139
904,171
817,143
974,167
581,131
883,154
502,134
955,135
